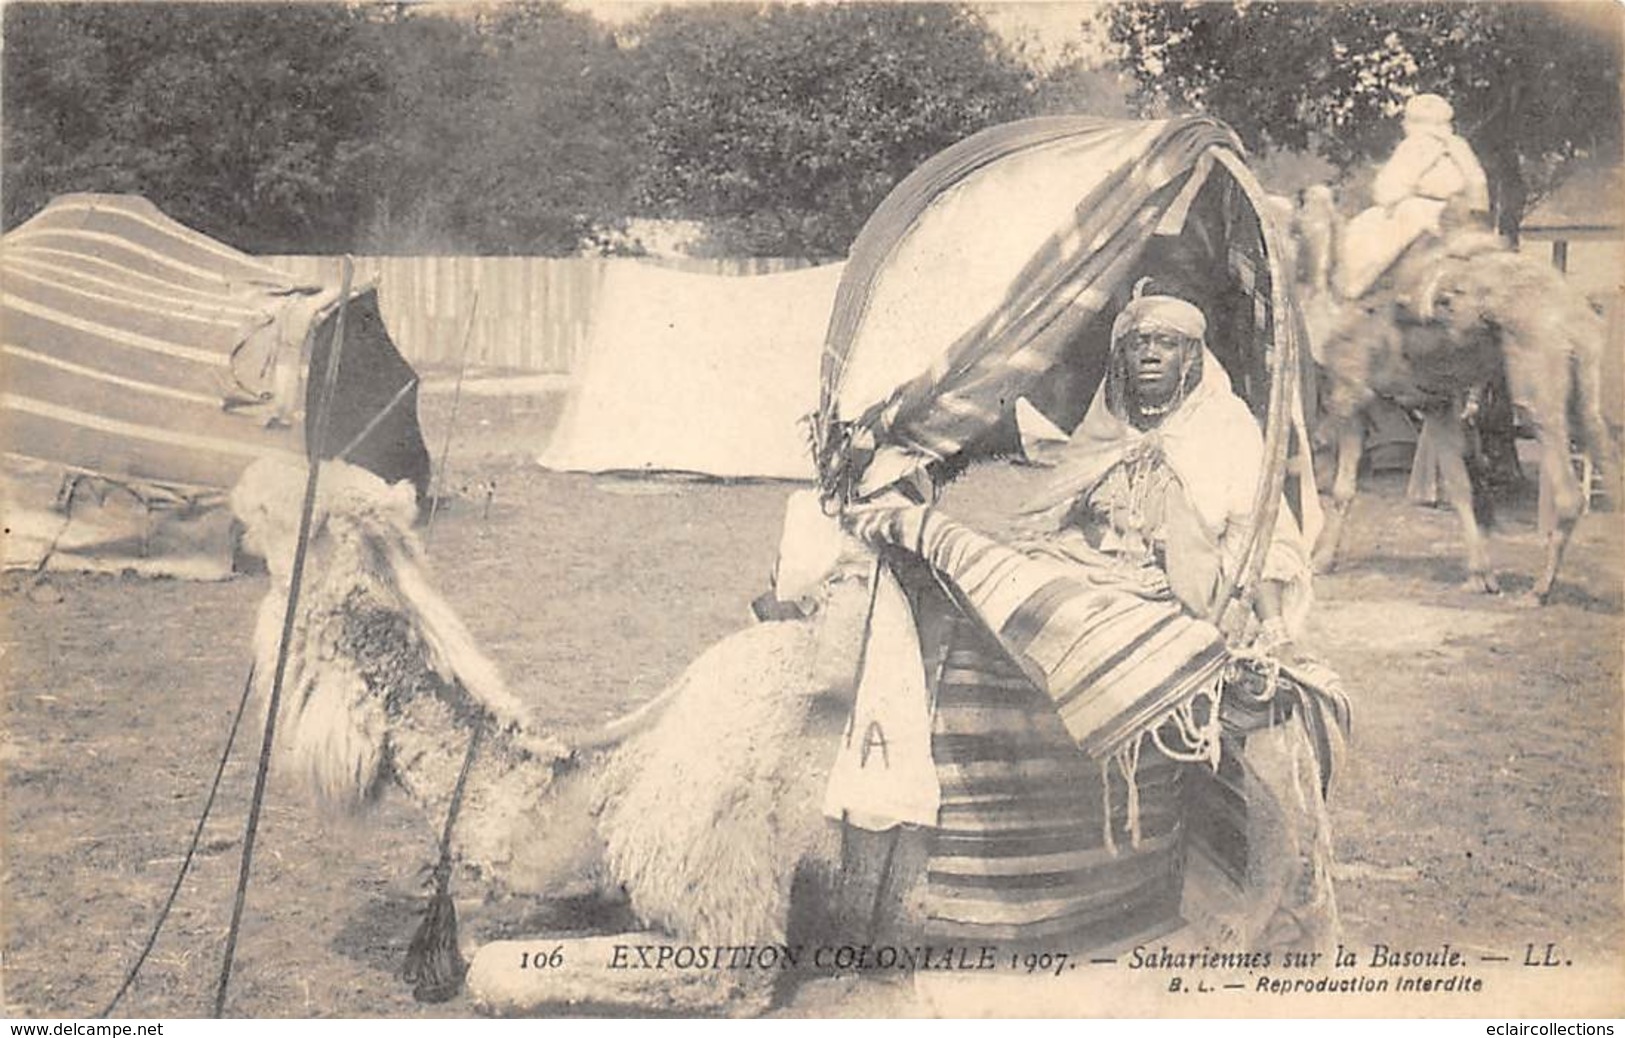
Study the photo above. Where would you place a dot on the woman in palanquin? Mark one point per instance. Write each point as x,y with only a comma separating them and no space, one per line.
1103,779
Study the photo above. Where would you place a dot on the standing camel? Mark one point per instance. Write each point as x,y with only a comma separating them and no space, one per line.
1452,316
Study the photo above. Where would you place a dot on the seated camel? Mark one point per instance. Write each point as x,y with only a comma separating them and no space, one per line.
1453,315
702,814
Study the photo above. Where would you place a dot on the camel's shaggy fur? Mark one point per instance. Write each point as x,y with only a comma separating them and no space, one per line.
383,682
1454,316
710,814
701,810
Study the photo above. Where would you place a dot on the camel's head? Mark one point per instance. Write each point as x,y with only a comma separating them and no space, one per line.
269,496
1316,226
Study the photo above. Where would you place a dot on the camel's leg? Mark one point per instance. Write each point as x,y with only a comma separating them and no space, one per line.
1560,503
1541,375
1557,542
1350,445
1451,438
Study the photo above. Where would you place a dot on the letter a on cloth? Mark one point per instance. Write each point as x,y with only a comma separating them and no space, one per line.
884,775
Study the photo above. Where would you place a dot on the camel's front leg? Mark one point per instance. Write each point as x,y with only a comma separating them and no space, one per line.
1451,439
1350,445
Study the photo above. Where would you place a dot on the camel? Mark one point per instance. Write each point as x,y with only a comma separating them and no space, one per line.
1455,314
699,813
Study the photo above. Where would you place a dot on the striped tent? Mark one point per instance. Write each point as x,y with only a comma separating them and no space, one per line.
150,364
991,275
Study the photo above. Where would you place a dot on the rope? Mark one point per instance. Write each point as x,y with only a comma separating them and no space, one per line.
1200,738
1109,840
295,578
451,423
191,849
434,965
367,430
442,868
1128,762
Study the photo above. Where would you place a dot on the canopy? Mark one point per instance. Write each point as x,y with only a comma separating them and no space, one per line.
992,272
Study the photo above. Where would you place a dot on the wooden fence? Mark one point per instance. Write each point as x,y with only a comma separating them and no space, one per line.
532,314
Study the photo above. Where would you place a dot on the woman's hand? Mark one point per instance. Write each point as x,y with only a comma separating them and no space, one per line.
1273,638
895,521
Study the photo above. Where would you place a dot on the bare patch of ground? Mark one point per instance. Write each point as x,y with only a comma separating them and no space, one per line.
1480,803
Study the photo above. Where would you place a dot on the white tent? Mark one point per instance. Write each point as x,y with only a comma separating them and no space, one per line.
698,373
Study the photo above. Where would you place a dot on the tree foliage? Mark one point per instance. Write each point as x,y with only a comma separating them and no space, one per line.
1533,84
505,133
253,122
784,126
524,127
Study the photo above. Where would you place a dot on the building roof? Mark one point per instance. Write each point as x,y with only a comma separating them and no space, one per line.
1587,199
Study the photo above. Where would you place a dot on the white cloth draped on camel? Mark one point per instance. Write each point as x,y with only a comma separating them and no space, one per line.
883,774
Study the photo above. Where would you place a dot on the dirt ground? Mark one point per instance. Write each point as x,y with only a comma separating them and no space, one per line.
1480,803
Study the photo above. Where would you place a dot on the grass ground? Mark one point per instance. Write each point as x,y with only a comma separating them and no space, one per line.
1480,803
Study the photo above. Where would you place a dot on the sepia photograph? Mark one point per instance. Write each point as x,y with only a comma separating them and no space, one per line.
682,509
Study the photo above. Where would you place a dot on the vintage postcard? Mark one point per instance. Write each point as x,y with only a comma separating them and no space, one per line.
835,510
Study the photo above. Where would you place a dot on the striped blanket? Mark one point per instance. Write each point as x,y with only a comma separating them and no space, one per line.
1115,663
1080,768
1058,686
1034,839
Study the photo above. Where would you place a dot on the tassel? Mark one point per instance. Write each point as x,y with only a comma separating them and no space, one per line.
1128,762
434,963
1109,839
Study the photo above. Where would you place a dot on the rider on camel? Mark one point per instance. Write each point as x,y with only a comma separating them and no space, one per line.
1433,182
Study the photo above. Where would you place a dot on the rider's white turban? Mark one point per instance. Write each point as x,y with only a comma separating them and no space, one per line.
1429,110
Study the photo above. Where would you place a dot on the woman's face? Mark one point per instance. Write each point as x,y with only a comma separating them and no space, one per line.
1155,365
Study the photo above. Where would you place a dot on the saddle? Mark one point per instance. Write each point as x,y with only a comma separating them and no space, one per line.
1414,282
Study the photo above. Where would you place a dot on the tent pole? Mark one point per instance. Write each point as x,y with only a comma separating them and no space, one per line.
451,423
314,445
1284,316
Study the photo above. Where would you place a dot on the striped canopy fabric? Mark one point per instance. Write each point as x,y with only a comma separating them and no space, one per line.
994,269
144,352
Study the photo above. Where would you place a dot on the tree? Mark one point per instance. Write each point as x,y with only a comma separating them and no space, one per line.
783,126
252,122
1533,84
1078,86
506,132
